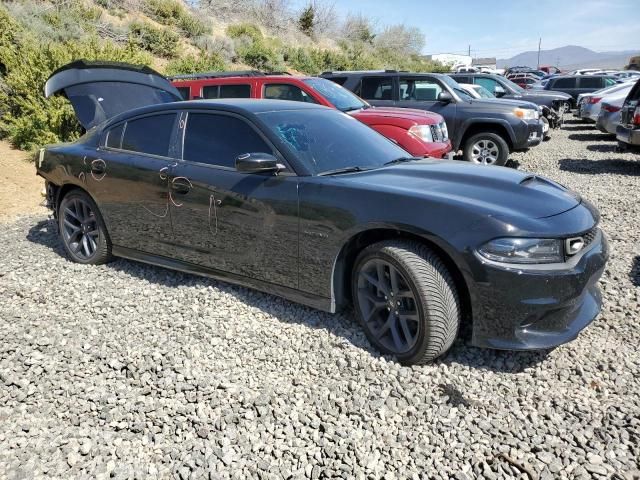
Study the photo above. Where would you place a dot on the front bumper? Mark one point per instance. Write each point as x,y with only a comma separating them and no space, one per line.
630,136
437,149
524,309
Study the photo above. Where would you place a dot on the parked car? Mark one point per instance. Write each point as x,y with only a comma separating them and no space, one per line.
524,80
555,102
305,202
589,103
486,130
628,131
574,85
423,134
609,116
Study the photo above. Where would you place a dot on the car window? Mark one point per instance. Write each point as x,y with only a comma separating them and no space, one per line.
591,82
376,88
486,82
210,91
423,89
564,83
235,91
340,97
150,134
283,91
328,139
339,80
219,139
462,79
114,137
184,92
609,81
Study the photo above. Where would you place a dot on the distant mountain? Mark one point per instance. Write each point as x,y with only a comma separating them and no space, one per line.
569,58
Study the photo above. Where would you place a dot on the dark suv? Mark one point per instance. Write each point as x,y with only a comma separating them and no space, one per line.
574,85
486,130
628,131
502,87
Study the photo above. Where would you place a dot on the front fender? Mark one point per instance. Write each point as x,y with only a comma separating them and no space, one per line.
485,121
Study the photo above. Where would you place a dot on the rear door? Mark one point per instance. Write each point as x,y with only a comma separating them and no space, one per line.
381,91
567,85
242,89
129,180
589,83
244,224
99,91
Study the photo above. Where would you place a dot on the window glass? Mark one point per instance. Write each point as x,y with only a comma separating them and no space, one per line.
590,82
283,91
609,81
462,79
114,137
329,139
339,80
486,82
235,91
150,135
423,89
210,91
564,83
377,88
219,139
340,97
184,92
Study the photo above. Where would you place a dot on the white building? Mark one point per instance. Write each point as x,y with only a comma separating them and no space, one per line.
452,59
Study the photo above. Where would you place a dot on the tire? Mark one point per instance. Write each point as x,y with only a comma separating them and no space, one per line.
567,106
423,292
495,147
82,229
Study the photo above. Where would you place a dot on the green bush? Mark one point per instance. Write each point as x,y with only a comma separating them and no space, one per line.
193,64
193,26
158,41
27,119
167,12
245,30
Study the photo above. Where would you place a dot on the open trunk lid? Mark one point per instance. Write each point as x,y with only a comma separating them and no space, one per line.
100,90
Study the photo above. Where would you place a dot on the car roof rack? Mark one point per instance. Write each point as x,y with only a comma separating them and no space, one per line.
337,72
230,73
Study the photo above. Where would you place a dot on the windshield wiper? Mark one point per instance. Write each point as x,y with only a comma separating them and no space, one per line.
351,109
402,160
337,171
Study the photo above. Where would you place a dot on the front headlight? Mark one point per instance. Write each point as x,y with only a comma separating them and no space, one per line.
523,250
423,132
526,113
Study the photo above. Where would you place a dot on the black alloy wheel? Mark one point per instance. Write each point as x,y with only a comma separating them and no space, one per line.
82,229
406,300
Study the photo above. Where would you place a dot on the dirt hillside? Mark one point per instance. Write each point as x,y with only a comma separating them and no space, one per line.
20,188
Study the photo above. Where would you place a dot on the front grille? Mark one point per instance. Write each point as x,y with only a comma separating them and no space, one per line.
587,239
438,133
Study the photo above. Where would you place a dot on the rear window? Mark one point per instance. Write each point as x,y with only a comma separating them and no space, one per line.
377,88
150,135
284,91
564,83
339,80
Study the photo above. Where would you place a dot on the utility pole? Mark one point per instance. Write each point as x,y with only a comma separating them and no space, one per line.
539,44
469,51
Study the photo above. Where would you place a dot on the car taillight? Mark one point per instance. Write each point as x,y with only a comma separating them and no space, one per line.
610,108
593,100
636,116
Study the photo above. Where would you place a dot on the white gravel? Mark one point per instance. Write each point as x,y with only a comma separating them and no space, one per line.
130,371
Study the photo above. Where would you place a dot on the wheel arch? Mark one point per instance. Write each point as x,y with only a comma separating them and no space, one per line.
344,262
64,189
504,130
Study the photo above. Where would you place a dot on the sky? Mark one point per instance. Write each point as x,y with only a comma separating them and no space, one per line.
504,28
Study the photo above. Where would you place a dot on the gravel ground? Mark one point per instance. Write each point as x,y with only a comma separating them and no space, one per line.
132,371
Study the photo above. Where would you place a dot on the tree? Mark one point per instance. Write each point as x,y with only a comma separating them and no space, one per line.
358,28
306,22
400,40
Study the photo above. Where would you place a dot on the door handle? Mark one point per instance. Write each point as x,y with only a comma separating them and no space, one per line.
98,166
181,185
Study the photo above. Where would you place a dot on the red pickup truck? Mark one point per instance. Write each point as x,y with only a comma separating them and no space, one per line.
422,134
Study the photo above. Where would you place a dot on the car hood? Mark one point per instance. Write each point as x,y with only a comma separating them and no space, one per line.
414,115
501,103
493,191
99,91
546,94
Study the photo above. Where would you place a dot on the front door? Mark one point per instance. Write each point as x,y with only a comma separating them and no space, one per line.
129,180
243,224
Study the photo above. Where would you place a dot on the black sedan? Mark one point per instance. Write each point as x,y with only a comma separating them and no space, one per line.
305,202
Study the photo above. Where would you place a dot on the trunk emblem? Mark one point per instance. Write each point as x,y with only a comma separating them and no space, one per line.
573,245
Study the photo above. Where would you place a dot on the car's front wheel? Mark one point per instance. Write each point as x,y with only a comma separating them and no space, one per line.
406,300
82,229
486,149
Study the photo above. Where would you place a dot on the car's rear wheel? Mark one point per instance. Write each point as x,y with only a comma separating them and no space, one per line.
486,149
406,300
82,229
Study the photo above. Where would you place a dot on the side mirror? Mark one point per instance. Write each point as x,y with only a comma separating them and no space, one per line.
257,163
499,91
445,97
